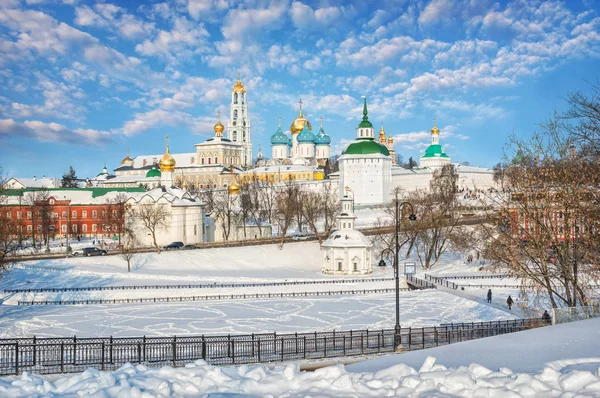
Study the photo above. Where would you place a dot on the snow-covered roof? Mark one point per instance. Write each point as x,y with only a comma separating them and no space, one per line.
44,182
347,238
460,168
128,179
282,169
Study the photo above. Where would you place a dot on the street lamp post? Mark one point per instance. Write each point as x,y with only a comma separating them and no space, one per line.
412,218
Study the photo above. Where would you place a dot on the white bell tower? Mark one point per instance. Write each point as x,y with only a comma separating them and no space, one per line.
238,127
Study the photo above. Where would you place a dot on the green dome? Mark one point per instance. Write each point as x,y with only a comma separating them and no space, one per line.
153,172
366,147
434,151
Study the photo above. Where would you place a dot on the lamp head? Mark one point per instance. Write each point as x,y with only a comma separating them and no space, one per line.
412,218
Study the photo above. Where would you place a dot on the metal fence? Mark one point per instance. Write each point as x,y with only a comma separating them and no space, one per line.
441,281
193,286
208,297
572,314
419,283
67,355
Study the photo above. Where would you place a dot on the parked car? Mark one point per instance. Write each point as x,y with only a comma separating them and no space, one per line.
89,251
174,246
189,247
300,237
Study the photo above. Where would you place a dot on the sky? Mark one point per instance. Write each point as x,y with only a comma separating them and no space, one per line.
81,82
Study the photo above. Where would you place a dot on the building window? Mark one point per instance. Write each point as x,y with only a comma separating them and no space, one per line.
39,229
84,214
19,215
94,214
94,228
8,215
235,98
74,227
235,114
29,215
74,214
216,161
63,228
234,136
355,266
114,213
202,160
51,201
103,213
195,230
55,215
84,228
29,228
339,265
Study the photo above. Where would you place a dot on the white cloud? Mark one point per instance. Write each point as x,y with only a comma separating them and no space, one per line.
305,17
201,8
416,136
53,132
312,64
436,11
184,35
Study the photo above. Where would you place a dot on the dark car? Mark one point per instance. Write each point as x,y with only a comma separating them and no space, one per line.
189,247
174,246
90,251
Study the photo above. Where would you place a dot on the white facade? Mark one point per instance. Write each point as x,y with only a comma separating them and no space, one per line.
368,176
347,251
322,151
185,216
279,152
238,127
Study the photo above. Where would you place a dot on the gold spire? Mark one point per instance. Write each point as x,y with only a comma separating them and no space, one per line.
167,162
300,121
382,134
435,130
239,87
219,126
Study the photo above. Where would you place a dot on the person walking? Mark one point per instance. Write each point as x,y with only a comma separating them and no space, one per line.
509,302
489,296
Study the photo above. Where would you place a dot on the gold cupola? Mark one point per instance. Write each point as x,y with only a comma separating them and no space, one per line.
219,126
126,159
238,86
434,129
299,123
234,188
382,138
167,162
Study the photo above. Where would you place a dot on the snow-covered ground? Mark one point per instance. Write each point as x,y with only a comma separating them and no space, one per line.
557,361
257,264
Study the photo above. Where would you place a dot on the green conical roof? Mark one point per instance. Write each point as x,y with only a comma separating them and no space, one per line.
434,151
365,120
153,172
365,147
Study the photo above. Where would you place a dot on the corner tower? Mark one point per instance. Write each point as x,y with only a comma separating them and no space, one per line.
238,127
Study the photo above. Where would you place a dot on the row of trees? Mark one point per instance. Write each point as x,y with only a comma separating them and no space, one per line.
283,206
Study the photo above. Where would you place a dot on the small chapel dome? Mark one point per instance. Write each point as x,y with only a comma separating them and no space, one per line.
153,172
239,87
167,162
306,136
322,138
126,160
298,124
234,188
219,128
279,138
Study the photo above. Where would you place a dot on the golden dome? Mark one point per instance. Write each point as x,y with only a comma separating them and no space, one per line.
239,87
382,134
390,140
126,159
435,130
219,127
167,162
299,123
234,188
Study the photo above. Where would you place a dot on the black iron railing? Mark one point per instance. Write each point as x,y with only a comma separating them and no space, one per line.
74,354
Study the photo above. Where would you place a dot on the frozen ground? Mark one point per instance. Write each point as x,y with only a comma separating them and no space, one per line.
257,264
556,361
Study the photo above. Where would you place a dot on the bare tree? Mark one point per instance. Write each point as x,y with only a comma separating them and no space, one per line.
437,215
37,211
331,207
312,210
115,212
284,210
223,207
8,230
546,232
127,249
153,217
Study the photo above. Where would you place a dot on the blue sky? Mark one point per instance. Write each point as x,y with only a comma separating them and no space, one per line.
82,81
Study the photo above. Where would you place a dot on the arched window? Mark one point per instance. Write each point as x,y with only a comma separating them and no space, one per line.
235,98
84,228
243,95
234,135
235,114
244,136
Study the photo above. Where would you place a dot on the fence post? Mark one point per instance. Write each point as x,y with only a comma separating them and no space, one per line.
232,352
281,349
228,345
139,350
423,336
174,350
252,344
296,338
362,343
34,351
17,358
111,350
344,341
62,356
74,349
144,342
304,346
325,346
102,356
259,349
204,348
